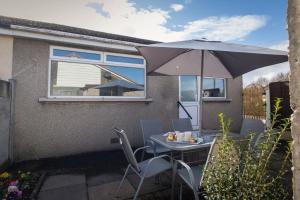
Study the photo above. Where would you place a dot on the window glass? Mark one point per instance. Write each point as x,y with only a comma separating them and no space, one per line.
76,54
135,74
188,88
79,79
124,59
213,87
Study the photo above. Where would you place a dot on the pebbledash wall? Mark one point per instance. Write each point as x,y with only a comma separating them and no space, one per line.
51,129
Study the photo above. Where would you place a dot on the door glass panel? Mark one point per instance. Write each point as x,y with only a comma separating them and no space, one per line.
189,88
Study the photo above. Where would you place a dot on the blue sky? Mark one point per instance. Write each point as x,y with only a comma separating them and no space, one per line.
255,22
275,12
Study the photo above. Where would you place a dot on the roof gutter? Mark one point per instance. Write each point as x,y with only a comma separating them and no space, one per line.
72,38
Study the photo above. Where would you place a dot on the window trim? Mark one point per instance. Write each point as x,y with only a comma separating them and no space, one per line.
225,88
102,63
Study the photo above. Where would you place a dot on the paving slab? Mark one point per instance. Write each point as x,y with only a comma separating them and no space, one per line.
103,179
58,181
62,187
108,191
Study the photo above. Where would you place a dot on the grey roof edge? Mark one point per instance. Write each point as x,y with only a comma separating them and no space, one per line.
7,22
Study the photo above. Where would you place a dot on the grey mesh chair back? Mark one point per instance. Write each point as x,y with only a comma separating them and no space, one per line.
151,127
252,125
183,124
127,148
212,152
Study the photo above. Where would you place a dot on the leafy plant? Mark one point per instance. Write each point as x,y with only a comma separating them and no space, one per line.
242,168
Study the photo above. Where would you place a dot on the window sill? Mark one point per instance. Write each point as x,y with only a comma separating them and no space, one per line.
49,100
216,100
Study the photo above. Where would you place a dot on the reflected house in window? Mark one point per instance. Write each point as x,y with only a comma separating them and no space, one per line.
76,79
76,72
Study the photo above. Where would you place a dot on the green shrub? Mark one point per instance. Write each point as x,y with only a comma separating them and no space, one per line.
241,168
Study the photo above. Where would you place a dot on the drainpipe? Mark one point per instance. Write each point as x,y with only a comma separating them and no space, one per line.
11,120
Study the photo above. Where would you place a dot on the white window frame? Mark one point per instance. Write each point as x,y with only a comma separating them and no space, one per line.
102,62
225,88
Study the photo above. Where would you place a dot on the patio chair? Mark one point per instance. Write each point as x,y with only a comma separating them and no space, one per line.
193,176
152,127
144,169
252,125
183,124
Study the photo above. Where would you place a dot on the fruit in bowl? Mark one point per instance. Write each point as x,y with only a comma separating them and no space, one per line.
193,140
171,137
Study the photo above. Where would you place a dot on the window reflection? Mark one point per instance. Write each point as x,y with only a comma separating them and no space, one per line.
78,79
213,87
124,59
76,54
189,88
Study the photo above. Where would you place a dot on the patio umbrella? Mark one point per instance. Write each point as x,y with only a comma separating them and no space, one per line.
207,58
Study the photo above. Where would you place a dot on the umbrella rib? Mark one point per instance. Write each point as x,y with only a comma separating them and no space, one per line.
187,50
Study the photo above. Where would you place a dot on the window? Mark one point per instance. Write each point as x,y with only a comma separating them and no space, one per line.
86,75
189,88
213,87
124,59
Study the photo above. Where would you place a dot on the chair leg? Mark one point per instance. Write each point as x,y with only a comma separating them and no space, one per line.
121,183
196,194
138,189
180,192
173,181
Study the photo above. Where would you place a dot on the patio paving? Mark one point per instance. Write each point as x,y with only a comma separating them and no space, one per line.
64,187
96,176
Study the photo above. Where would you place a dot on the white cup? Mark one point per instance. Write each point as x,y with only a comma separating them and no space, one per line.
180,137
187,136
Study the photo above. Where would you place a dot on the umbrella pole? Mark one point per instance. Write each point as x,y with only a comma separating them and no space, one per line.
200,114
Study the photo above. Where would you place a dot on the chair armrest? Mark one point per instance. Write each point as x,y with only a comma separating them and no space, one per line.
189,170
152,144
139,149
158,157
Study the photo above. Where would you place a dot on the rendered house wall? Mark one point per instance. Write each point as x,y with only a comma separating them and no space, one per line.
64,128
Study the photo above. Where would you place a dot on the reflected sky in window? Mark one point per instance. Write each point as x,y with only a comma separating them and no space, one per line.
135,74
124,59
76,54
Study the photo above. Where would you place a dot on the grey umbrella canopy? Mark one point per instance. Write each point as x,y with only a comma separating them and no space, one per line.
207,58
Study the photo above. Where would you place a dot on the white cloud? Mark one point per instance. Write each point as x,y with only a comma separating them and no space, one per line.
123,17
224,28
270,71
266,72
281,45
176,7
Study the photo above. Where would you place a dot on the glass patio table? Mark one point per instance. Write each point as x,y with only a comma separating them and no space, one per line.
181,147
